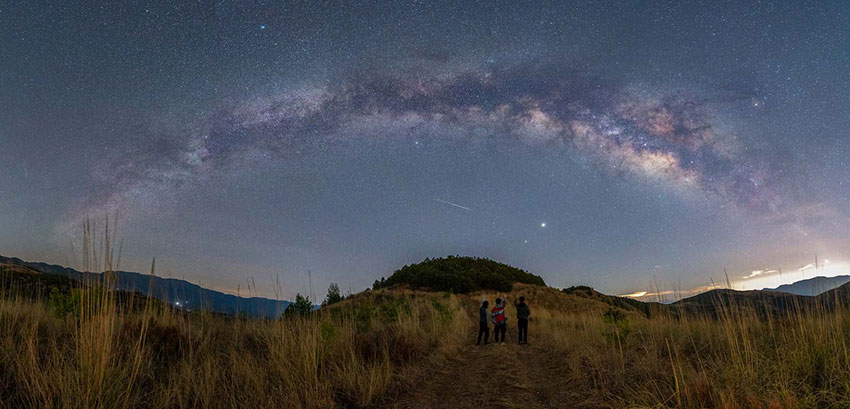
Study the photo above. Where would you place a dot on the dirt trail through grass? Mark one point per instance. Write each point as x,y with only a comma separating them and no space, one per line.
495,376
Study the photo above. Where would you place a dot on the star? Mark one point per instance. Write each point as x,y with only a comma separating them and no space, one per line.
315,120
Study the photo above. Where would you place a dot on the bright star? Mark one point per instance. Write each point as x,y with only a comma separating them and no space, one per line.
542,224
262,26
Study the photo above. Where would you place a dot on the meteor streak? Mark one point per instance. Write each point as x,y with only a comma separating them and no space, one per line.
454,204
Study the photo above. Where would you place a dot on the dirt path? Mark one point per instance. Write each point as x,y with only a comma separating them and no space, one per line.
495,376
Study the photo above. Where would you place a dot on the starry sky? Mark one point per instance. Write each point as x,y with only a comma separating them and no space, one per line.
636,147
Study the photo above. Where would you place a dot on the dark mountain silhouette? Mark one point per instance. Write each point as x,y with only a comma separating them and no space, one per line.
765,302
460,275
648,309
189,296
19,280
762,302
812,286
837,296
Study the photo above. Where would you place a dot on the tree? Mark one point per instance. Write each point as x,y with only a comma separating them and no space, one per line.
334,296
378,284
301,306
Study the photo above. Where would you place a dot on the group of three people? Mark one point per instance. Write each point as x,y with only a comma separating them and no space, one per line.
500,320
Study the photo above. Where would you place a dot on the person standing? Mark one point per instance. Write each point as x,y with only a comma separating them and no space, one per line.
522,313
483,327
500,321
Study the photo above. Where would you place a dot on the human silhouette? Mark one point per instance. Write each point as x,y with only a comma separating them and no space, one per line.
522,313
483,327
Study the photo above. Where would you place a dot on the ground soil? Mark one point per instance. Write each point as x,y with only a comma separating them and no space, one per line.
496,376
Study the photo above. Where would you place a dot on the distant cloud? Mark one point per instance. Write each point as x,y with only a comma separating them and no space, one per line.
669,295
757,273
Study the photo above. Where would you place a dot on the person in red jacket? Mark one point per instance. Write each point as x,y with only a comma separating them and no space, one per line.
500,320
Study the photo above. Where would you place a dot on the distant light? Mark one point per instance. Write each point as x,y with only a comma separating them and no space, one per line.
542,224
262,26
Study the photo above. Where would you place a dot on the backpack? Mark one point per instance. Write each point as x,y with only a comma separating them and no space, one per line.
499,315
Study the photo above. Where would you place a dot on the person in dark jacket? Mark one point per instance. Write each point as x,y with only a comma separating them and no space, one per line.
483,328
522,313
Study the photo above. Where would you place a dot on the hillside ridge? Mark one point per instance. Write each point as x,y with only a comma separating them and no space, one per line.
812,286
173,290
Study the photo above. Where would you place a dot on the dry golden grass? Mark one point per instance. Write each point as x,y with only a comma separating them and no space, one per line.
161,358
365,350
114,350
741,360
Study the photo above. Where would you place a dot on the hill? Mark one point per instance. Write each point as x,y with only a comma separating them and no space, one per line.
171,290
459,275
761,302
20,280
646,308
812,286
837,296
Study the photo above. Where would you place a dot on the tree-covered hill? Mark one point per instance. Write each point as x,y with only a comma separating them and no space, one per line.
459,275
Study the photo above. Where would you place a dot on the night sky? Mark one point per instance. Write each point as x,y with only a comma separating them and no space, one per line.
629,146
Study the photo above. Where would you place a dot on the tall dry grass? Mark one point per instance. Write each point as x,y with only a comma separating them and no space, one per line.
109,349
111,357
741,359
111,352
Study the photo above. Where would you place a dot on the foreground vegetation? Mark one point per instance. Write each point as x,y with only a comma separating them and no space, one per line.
108,353
82,347
741,359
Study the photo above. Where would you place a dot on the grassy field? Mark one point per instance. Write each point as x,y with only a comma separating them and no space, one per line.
742,359
373,347
106,356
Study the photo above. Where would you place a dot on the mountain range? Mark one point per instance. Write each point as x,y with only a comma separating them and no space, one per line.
180,293
439,273
812,286
771,301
